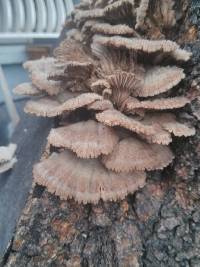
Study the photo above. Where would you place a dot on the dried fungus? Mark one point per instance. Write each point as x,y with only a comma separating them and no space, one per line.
111,89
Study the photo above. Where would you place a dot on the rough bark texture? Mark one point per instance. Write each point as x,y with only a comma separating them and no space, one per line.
158,226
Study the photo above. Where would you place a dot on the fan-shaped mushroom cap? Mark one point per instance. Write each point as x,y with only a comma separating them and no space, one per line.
69,51
133,154
119,9
26,89
48,107
158,104
106,28
146,129
84,179
116,118
82,15
101,105
169,123
158,80
148,46
145,45
32,65
41,81
71,70
80,101
7,152
39,71
88,139
44,107
160,136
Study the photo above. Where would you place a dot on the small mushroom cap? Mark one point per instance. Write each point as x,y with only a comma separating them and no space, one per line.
149,46
71,70
26,89
33,65
86,180
49,107
108,29
133,154
82,15
116,118
168,122
70,52
158,104
159,79
39,72
7,152
101,105
119,9
44,107
152,132
88,139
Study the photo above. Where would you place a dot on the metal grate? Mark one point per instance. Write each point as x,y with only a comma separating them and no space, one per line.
33,18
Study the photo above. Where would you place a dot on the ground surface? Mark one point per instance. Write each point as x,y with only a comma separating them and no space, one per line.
15,184
159,226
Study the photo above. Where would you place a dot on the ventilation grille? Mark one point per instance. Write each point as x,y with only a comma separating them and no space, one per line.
33,18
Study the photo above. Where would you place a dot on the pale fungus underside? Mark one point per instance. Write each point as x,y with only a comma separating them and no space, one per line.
110,87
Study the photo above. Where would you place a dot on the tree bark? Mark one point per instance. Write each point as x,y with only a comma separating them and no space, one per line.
158,226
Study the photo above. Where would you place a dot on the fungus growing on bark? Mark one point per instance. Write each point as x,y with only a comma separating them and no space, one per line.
112,89
7,158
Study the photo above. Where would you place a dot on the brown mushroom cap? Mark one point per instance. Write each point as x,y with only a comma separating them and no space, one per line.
119,9
82,15
86,180
39,72
168,122
101,105
147,46
137,44
159,79
70,51
26,89
108,29
146,129
88,139
158,104
133,154
116,118
48,107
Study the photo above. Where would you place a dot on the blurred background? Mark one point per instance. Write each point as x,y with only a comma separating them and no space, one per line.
28,30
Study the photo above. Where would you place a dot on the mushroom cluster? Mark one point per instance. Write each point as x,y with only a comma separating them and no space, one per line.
110,89
7,157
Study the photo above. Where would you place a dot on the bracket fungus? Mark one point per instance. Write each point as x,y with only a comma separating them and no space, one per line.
114,93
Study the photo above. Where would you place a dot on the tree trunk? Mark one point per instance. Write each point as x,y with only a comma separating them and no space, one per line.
157,226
